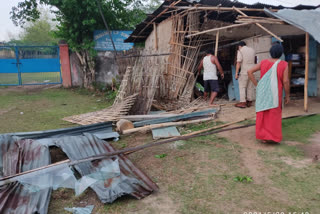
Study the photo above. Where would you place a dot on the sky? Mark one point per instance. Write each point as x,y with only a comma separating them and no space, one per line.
7,27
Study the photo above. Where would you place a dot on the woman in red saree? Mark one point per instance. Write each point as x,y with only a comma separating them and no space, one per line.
274,77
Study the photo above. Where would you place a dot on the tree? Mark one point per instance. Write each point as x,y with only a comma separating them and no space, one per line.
77,19
39,32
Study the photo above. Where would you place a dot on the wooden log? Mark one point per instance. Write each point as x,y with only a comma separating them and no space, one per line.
217,44
162,125
123,125
306,76
217,29
259,25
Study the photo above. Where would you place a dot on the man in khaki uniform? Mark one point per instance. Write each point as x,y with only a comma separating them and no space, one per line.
245,60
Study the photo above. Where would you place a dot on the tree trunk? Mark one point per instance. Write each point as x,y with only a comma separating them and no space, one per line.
88,68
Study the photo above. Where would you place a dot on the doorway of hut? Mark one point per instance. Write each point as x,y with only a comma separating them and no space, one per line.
227,57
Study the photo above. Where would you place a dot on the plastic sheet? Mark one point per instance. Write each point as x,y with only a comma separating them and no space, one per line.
62,176
80,210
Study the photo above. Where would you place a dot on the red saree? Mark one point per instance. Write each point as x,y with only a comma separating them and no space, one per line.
268,123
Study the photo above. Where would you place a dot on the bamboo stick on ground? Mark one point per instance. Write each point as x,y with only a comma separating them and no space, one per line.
155,126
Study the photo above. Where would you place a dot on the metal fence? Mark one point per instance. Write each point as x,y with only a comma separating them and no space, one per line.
29,65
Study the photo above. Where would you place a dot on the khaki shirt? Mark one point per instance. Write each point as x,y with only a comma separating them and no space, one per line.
247,58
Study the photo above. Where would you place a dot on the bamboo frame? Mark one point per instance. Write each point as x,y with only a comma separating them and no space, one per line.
217,8
218,29
259,25
216,45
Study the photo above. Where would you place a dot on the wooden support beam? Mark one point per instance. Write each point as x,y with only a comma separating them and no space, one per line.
306,76
217,29
259,25
217,44
217,8
155,36
160,14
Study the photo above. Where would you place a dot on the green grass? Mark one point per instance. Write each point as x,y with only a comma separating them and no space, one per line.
30,78
301,128
45,109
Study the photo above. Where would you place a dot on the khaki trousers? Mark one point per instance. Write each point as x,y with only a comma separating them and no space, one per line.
246,88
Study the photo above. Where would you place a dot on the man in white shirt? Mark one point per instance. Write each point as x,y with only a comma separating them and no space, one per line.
210,63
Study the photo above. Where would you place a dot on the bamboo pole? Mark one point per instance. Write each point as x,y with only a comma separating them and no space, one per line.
217,8
220,28
306,76
259,25
162,125
217,44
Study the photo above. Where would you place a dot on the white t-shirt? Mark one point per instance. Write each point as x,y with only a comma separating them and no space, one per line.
210,69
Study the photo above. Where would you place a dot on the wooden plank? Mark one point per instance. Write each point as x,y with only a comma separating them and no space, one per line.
175,118
155,36
217,44
217,29
306,76
259,25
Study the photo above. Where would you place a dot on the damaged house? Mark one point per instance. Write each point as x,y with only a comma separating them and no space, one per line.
178,33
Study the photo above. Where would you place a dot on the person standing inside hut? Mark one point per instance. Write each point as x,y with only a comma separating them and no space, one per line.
245,60
274,76
210,63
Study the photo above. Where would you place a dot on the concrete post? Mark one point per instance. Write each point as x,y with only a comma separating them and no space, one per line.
65,65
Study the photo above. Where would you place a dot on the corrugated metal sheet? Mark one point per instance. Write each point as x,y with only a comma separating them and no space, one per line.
20,155
175,118
131,181
138,36
17,156
306,20
101,130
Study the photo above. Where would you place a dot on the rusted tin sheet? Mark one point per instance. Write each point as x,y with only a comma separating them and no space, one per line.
33,195
17,156
131,180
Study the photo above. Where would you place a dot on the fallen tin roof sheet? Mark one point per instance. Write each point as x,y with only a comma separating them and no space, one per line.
306,20
17,156
131,180
101,130
20,155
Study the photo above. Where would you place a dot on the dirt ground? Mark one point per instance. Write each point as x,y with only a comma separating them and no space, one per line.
295,107
197,175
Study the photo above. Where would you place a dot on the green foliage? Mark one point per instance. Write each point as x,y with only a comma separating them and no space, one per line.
243,179
39,32
160,156
77,19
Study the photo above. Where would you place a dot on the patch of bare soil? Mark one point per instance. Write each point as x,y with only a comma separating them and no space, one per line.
4,111
253,162
246,138
27,88
295,107
312,150
159,203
